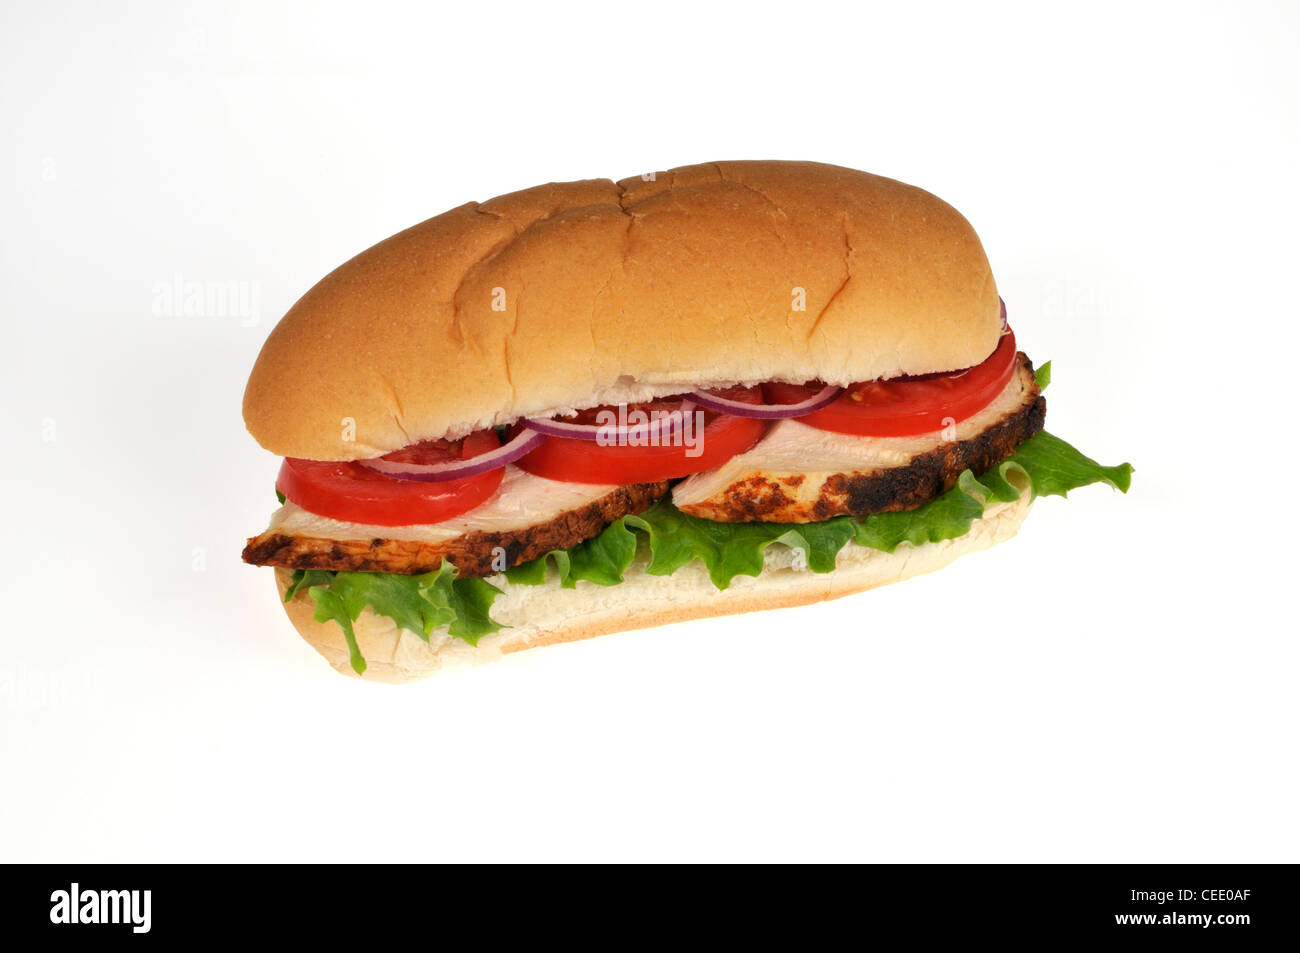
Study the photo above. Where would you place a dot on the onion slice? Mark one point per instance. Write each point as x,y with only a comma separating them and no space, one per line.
513,449
738,408
660,425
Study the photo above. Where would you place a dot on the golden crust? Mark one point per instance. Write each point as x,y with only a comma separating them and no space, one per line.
560,296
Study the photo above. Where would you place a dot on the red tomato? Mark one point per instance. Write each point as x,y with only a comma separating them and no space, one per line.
349,492
586,461
907,405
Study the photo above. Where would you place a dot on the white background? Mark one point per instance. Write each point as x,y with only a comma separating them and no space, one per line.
1117,684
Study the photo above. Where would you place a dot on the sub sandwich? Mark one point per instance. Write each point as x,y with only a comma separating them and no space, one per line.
595,406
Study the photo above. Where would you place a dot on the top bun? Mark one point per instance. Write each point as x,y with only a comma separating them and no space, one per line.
575,294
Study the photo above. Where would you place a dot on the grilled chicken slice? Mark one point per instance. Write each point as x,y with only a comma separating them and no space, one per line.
798,474
528,516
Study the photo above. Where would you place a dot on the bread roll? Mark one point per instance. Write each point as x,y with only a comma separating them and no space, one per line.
548,614
576,294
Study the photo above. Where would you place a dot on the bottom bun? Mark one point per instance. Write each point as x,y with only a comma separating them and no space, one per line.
547,614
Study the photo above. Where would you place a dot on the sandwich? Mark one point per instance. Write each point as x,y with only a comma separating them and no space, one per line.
595,406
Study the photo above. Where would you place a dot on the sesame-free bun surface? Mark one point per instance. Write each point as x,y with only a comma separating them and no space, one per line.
575,294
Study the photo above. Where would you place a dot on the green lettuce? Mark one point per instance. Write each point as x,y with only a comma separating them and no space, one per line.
1044,465
1047,465
419,604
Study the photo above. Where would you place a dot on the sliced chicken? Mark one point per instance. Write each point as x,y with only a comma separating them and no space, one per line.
798,474
528,516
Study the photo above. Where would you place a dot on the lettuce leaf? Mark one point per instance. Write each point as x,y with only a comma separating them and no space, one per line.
418,604
1046,465
733,549
675,539
945,517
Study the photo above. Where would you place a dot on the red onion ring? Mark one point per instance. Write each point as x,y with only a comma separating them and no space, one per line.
1006,328
662,424
739,408
513,449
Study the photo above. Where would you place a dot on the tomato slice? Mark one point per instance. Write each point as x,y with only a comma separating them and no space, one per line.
586,461
348,491
907,405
